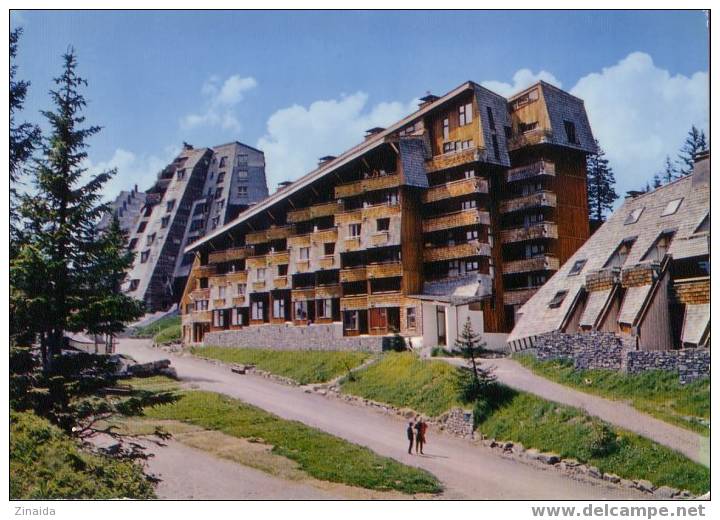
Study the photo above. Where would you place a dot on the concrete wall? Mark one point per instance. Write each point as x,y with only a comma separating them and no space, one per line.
455,317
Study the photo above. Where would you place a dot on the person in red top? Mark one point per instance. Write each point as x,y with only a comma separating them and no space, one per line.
420,430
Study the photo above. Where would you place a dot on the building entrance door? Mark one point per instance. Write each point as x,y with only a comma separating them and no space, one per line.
442,334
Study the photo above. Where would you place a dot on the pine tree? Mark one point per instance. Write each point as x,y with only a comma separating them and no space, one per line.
600,185
62,265
476,379
657,181
23,139
695,142
669,172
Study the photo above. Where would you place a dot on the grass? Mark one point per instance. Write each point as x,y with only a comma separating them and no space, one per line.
303,366
154,328
319,454
170,334
47,464
404,380
658,393
570,433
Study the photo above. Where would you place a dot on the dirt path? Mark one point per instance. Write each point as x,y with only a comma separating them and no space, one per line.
513,374
467,470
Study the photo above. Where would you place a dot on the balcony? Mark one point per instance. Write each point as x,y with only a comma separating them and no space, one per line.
380,210
236,277
449,160
257,262
278,258
349,217
238,301
351,303
380,238
527,265
529,171
328,291
320,210
256,237
301,295
302,266
474,248
235,253
299,241
467,217
203,271
325,235
352,189
200,294
602,279
533,137
388,270
219,303
541,199
455,189
280,282
326,262
518,296
265,235
259,285
385,300
197,317
541,230
355,274
352,244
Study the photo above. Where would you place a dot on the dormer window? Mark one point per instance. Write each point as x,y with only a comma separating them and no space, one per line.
634,215
557,299
671,207
577,267
446,128
170,205
465,114
570,132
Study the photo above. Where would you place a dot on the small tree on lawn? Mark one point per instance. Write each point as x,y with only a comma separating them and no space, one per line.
475,379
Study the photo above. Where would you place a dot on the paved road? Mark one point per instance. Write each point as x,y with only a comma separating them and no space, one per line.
467,471
513,374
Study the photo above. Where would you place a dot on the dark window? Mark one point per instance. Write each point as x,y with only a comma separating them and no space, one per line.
508,132
144,256
577,267
132,244
557,299
282,269
383,224
570,132
203,283
222,162
411,317
142,227
221,177
491,119
329,248
218,193
164,222
242,191
170,205
496,147
181,174
150,239
134,284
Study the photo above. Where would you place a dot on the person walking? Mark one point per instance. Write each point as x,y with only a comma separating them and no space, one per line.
411,436
419,440
423,435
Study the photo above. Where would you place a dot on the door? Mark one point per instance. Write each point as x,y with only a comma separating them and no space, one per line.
442,334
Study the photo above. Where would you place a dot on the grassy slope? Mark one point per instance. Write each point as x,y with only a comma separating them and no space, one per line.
149,331
404,380
170,334
657,393
430,387
46,464
303,366
319,454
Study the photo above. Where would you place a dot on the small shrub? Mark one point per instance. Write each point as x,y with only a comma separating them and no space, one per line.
601,440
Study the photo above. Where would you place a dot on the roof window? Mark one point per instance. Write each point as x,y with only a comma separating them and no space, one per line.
634,215
671,207
577,267
557,299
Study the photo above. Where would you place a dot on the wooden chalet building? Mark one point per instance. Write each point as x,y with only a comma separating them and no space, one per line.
462,209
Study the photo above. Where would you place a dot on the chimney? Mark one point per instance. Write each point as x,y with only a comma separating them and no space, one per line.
632,194
326,159
427,99
284,184
372,131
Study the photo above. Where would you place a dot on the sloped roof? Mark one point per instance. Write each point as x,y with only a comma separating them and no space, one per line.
537,318
697,320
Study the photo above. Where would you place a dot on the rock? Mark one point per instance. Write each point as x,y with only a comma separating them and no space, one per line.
169,372
594,472
518,448
238,369
645,485
571,463
307,390
627,483
548,458
322,391
532,454
666,492
611,477
507,446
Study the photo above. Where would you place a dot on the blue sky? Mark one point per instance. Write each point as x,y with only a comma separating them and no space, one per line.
305,84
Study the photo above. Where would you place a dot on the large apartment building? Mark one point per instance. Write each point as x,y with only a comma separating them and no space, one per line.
462,209
200,191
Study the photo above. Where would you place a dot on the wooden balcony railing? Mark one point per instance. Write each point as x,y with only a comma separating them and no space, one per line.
455,189
385,300
326,262
299,241
518,296
218,303
280,282
238,301
325,235
349,217
379,238
197,317
541,230
351,303
474,248
236,253
449,160
365,185
539,263
528,171
530,138
205,271
380,210
467,217
602,279
279,232
355,274
301,295
542,199
328,291
232,278
259,285
200,294
388,270
317,211
255,262
352,244
278,258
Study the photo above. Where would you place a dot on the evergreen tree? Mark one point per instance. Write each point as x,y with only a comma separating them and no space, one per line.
695,142
657,181
63,265
669,171
23,139
600,184
474,381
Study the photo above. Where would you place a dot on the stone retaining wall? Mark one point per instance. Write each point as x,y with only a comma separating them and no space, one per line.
286,337
691,364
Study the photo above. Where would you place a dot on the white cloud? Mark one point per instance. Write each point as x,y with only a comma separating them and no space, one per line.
640,113
220,102
522,79
297,136
131,170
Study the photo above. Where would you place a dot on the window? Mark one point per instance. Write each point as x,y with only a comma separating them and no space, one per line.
469,204
329,248
218,318
660,247
577,267
391,197
150,239
557,299
531,96
383,224
242,158
469,174
134,284
202,283
279,308
533,250
170,205
282,269
508,132
617,259
491,118
257,310
220,205
218,193
471,234
671,207
144,256
472,266
304,253
261,273
132,244
634,215
301,310
201,305
355,230
242,174
237,317
164,222
496,147
221,177
189,307
465,114
141,227
453,268
448,147
411,317
215,222
242,191
240,289
527,127
467,144
181,174
352,320
221,291
324,308
446,129
223,160
570,132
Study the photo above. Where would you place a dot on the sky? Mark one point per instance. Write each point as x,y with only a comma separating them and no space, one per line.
300,85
